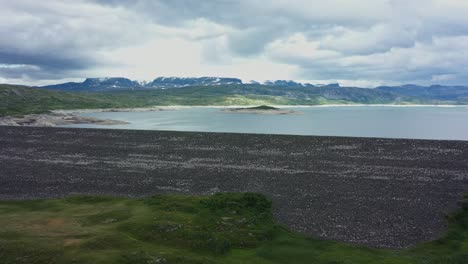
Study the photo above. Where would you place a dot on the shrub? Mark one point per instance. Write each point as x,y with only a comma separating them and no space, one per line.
228,202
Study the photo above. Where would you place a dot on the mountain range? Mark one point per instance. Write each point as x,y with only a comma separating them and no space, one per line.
125,93
120,83
283,88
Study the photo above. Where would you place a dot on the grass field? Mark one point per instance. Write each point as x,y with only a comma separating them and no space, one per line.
223,228
21,100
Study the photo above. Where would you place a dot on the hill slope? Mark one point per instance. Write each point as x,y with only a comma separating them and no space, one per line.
434,92
447,94
17,100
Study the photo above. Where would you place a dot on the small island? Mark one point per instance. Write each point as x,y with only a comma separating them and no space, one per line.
263,109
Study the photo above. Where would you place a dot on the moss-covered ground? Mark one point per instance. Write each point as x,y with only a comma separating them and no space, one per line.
223,228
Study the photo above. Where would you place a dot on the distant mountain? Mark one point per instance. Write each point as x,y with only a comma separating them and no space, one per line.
284,88
117,83
320,95
289,83
97,85
434,92
110,82
175,82
286,83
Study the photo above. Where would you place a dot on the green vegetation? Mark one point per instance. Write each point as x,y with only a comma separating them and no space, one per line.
20,100
223,228
262,107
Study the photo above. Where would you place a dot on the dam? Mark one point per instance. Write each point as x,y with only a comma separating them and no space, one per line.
386,193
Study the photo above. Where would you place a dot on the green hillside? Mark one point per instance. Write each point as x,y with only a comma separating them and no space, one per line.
18,100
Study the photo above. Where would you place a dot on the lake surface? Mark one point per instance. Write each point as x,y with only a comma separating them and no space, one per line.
427,122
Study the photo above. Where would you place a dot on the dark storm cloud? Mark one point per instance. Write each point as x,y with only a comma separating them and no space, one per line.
258,22
57,62
57,38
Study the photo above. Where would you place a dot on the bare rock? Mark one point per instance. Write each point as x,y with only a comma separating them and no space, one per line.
55,119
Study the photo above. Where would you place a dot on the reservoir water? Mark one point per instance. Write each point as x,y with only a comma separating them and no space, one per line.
419,122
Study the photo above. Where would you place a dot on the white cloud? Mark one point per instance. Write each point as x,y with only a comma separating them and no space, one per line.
378,38
354,42
182,57
298,48
19,66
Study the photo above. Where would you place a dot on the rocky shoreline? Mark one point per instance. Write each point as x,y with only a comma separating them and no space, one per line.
136,109
55,119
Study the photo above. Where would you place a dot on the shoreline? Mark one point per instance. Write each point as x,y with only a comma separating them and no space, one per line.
178,107
56,119
73,116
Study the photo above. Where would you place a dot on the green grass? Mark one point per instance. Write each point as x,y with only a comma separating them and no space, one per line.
21,100
223,228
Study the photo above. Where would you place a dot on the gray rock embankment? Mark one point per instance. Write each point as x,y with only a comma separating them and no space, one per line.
55,119
385,193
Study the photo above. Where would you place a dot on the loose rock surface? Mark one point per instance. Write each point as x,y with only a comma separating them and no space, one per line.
378,192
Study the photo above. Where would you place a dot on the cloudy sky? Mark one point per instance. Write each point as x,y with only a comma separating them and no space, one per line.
354,42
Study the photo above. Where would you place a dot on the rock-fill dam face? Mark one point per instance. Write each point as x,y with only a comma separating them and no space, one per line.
377,192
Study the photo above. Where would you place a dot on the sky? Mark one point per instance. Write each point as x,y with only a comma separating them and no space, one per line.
354,42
